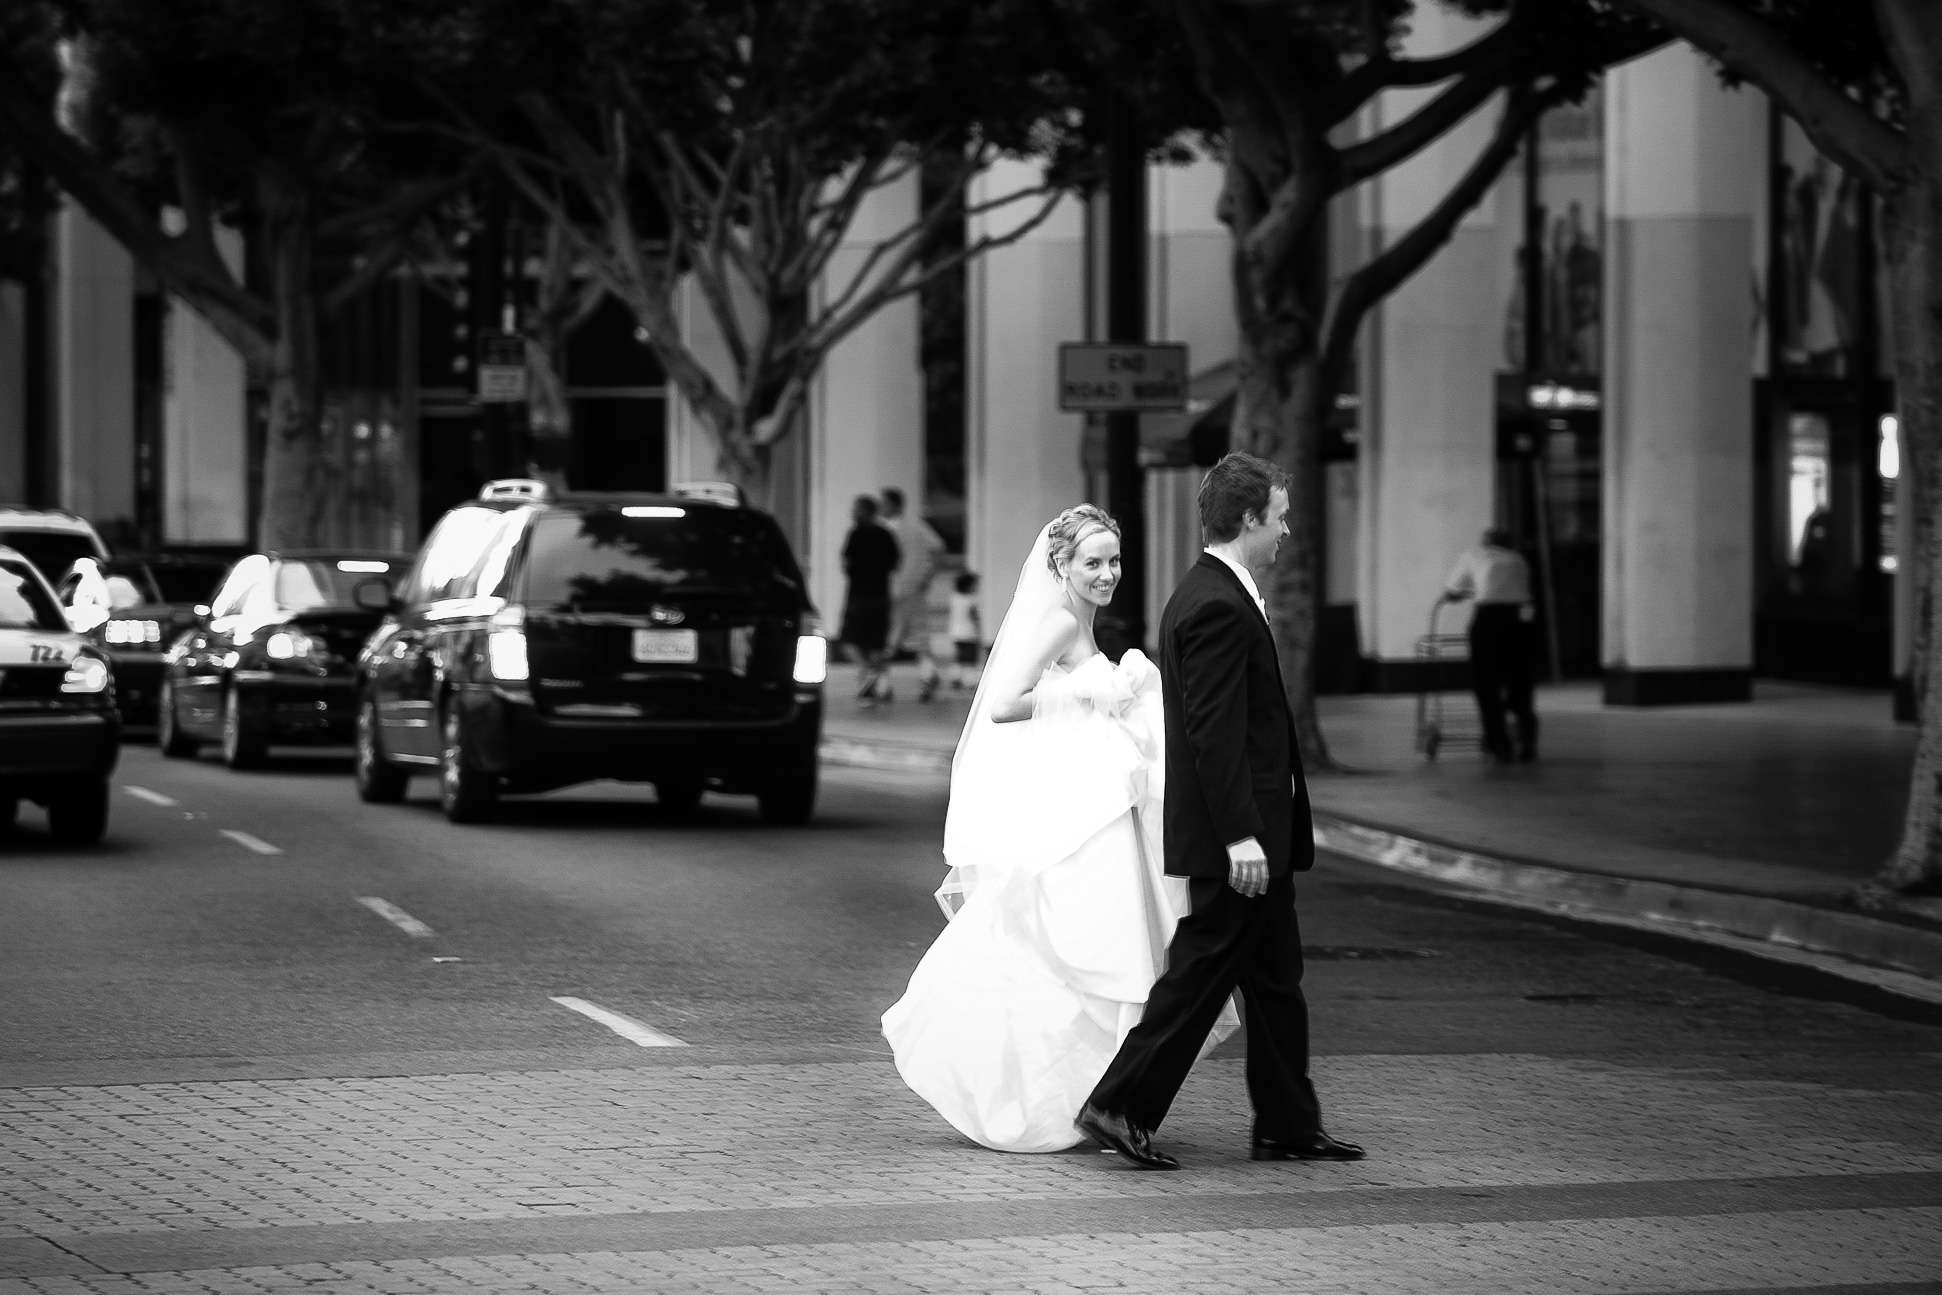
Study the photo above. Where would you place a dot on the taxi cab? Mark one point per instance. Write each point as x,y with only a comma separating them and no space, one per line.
59,733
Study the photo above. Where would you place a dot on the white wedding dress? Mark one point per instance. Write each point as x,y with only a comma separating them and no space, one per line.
1062,912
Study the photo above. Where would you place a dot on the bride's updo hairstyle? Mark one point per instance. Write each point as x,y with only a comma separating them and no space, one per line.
1072,528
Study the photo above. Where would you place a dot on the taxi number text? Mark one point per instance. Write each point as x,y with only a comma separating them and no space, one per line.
666,647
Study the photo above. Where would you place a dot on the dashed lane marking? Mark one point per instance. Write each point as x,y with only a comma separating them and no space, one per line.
152,797
626,1027
248,842
391,913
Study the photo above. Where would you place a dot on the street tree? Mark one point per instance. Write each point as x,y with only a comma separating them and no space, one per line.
728,150
169,124
1292,79
1864,81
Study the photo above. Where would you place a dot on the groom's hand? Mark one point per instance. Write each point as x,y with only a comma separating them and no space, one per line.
1247,868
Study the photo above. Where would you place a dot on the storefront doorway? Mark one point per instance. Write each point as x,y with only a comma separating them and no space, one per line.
1826,464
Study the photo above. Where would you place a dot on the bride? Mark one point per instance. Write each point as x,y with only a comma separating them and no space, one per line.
1059,912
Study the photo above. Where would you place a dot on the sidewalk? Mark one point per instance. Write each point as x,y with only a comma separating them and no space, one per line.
1743,825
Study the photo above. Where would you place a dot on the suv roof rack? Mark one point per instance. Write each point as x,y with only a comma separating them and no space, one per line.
726,493
529,489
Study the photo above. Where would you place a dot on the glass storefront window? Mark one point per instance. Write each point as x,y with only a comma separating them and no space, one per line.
1888,462
1818,298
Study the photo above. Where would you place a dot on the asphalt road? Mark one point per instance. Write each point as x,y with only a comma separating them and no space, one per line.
268,926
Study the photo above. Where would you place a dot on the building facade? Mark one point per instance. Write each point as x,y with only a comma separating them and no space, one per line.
1656,353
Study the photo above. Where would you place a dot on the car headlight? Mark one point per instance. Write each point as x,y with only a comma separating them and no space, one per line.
290,645
86,674
506,646
131,633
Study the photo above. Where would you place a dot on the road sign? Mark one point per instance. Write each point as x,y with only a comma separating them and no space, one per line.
1103,377
502,369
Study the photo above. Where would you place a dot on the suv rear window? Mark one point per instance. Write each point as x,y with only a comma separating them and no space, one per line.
52,551
24,602
626,557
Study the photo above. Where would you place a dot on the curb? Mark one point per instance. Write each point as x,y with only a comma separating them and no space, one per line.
1903,959
1891,956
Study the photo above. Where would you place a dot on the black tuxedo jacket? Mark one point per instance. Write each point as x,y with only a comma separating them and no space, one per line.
1233,766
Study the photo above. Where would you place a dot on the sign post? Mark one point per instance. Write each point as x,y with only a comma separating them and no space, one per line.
502,369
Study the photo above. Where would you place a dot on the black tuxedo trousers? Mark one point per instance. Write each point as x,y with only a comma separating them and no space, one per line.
1231,741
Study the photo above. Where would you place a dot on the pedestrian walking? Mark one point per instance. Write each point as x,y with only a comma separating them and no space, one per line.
963,624
1497,577
869,560
1237,827
919,550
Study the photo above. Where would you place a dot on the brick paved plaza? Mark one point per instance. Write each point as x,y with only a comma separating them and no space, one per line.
1487,1173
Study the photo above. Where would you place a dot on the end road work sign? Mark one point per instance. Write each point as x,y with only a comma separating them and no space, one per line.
1096,377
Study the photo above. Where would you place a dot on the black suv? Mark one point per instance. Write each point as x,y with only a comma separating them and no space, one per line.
536,643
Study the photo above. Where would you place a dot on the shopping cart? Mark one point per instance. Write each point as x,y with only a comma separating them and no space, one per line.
1446,662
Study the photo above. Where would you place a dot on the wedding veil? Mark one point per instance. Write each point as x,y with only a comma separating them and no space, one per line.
979,838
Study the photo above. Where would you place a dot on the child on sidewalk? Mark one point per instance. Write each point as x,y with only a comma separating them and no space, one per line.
962,622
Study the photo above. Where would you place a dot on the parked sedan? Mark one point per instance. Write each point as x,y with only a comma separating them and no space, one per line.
133,606
271,661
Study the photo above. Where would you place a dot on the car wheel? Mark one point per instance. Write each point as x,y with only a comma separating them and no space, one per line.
466,792
78,814
243,744
790,798
379,782
169,737
678,796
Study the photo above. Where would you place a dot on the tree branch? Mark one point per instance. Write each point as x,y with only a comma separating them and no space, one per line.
1388,270
1429,123
1381,72
1751,48
195,274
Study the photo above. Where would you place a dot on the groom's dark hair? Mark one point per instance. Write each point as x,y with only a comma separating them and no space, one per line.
1236,486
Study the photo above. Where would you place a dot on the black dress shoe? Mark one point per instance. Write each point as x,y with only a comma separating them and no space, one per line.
1316,1146
1114,1132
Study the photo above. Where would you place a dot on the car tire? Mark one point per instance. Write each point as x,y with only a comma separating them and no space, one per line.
77,814
379,781
244,745
169,737
467,793
790,798
678,797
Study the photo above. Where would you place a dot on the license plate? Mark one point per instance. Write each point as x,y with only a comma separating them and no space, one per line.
665,647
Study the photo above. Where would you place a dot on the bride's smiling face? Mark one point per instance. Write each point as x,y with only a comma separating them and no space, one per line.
1093,572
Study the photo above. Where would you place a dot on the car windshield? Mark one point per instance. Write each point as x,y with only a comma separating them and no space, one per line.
182,580
304,583
129,584
627,557
25,602
54,552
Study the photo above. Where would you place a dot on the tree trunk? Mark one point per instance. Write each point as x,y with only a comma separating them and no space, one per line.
300,483
1280,401
1913,221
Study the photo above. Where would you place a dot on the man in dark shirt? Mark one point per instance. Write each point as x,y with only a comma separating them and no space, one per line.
869,558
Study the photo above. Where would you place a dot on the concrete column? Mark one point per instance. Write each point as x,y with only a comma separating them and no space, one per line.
205,472
13,394
1022,454
1430,355
94,366
869,401
1685,165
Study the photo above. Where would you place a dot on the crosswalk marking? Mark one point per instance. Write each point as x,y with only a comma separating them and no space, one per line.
626,1027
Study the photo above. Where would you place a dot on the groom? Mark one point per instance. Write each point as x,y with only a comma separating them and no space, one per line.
1237,826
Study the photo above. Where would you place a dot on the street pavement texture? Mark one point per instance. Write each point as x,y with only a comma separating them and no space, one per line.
223,1072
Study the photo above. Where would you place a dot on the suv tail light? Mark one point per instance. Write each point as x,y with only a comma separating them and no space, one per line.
812,652
506,646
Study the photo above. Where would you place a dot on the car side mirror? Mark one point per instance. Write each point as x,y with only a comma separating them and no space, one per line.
374,594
